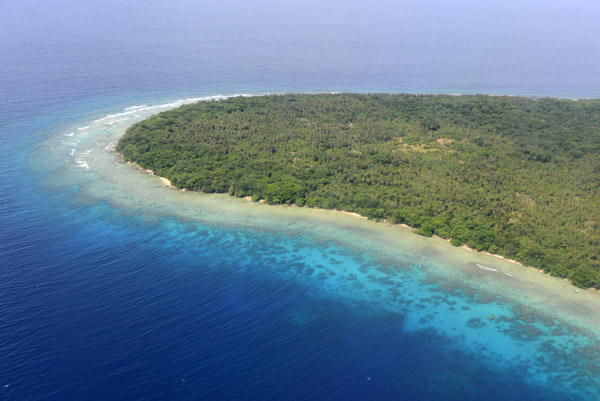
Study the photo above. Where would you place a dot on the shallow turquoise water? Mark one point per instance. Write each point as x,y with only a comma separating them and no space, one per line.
347,307
114,287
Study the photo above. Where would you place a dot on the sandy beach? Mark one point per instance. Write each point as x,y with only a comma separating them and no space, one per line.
400,226
478,300
133,190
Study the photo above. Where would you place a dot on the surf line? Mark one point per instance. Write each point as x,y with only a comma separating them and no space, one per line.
487,268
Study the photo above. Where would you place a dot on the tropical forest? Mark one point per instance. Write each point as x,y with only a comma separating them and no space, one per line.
517,177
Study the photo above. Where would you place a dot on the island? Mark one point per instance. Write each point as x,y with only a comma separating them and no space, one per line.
516,177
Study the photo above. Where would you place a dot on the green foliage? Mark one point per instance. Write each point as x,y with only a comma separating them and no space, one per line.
289,191
584,277
514,176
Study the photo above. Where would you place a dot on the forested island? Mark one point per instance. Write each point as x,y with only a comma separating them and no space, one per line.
512,176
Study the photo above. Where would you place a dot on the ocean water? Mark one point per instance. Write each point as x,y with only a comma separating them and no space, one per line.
113,286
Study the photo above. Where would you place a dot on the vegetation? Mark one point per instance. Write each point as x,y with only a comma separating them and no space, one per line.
516,177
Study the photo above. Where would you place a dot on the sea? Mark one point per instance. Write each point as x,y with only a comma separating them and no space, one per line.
114,286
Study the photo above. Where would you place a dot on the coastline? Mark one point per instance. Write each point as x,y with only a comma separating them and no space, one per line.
109,179
413,230
516,229
162,179
476,302
525,284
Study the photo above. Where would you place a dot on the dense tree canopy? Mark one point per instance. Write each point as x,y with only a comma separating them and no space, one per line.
517,177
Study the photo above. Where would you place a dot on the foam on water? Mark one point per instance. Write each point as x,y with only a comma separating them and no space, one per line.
114,287
487,268
83,164
519,320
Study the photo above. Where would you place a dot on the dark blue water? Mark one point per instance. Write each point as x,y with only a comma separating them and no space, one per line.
97,304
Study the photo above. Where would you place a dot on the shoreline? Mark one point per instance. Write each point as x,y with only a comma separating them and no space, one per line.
491,233
162,179
512,281
123,188
427,263
413,230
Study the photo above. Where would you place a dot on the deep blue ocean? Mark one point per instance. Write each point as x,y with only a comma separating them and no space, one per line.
101,303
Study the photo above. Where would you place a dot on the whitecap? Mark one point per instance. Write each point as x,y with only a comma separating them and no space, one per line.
71,134
83,128
82,163
196,99
126,113
101,119
72,152
173,104
135,107
490,269
146,108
